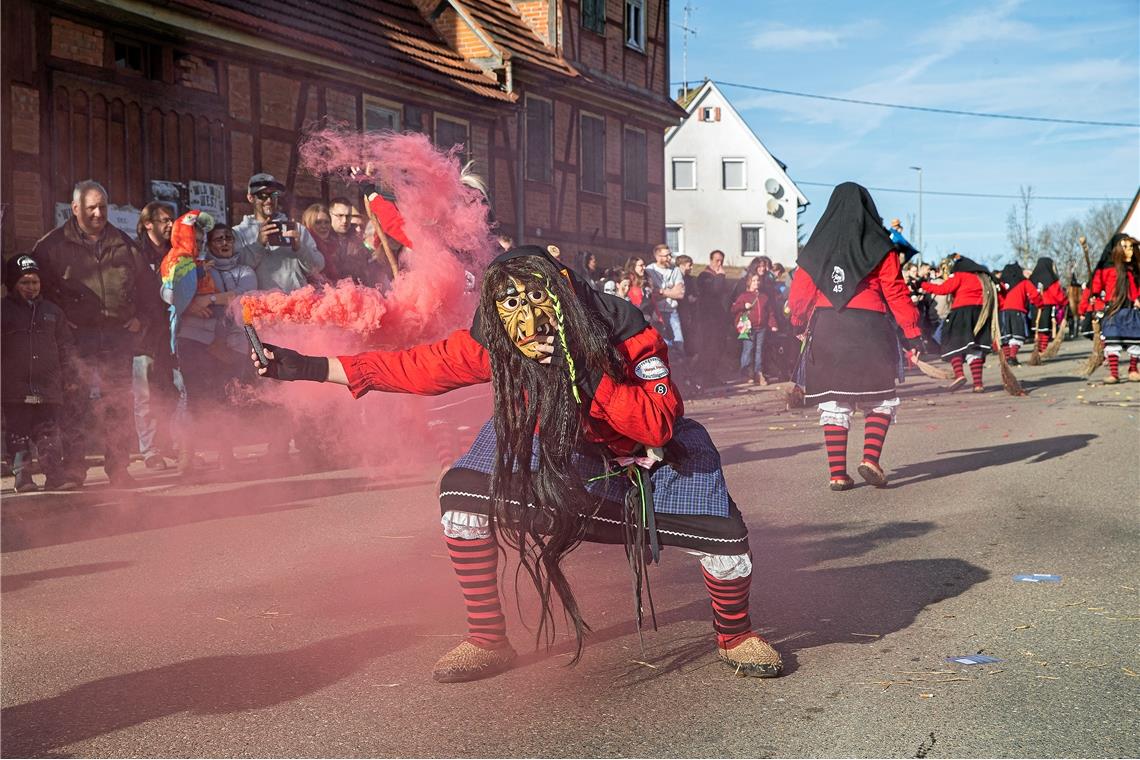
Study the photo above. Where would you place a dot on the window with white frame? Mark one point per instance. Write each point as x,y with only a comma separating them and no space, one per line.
752,239
733,174
709,113
675,238
635,24
684,174
381,115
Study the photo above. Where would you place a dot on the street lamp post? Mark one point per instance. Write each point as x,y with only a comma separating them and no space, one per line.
921,246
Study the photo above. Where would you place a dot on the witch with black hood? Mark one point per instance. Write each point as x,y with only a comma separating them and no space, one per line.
846,297
588,442
1013,317
1049,299
966,333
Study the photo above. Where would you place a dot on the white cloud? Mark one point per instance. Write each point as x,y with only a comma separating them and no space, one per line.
780,36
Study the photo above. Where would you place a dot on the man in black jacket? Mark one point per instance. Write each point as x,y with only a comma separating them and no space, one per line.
38,356
95,273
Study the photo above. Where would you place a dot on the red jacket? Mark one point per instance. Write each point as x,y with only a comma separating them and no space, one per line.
759,308
1015,298
1091,301
390,218
882,288
964,286
1054,295
624,415
1103,285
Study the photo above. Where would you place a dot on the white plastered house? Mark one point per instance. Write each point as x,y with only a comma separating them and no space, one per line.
724,190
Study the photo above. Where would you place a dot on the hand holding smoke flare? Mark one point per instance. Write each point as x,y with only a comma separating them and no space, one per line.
282,363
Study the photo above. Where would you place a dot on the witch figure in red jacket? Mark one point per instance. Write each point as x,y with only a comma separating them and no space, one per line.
1013,314
848,294
1116,282
967,333
1049,299
588,443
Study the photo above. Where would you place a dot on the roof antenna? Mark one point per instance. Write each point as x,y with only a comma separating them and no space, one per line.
686,30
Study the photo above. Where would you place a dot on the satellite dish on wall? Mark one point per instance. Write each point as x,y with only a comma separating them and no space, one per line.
773,187
774,208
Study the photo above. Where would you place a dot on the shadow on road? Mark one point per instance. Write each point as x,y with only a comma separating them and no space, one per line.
1049,380
207,685
796,604
99,514
970,460
739,453
18,581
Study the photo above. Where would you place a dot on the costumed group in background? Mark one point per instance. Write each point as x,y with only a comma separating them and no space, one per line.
588,441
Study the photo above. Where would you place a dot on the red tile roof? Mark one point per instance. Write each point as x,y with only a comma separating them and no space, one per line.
509,31
387,35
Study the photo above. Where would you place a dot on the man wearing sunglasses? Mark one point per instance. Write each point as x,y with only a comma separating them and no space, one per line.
280,251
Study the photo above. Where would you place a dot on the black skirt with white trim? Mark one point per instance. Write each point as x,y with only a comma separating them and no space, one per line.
852,356
1013,324
958,338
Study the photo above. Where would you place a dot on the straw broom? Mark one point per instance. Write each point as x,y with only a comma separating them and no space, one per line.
1008,379
1096,357
931,371
1054,348
1035,357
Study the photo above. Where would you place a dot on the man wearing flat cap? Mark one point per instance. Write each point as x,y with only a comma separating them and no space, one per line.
280,250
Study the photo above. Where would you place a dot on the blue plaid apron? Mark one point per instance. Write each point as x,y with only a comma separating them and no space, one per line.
694,486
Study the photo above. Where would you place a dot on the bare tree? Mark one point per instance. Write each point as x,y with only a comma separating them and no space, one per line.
1019,228
1060,242
1100,225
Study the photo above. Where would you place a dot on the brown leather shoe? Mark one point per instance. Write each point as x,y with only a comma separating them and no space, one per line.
956,383
873,474
468,662
753,657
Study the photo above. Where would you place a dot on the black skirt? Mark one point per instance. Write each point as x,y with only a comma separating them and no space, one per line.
1014,324
958,337
852,356
1041,320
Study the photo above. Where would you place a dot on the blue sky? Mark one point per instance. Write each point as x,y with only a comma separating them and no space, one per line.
1069,60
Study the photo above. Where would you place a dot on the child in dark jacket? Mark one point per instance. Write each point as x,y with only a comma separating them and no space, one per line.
38,355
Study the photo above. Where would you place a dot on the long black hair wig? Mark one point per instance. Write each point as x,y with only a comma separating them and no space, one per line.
1114,252
538,512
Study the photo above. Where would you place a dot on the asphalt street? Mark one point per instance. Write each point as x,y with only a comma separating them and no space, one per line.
291,614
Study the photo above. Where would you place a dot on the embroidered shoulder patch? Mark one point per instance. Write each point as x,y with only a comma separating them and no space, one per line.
651,369
661,389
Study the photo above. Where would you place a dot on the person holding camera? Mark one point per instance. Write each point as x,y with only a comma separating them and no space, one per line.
280,250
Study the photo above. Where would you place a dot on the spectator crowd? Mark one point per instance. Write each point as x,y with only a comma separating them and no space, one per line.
100,355
96,360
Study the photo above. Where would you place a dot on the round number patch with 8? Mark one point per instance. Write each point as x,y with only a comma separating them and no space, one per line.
661,389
